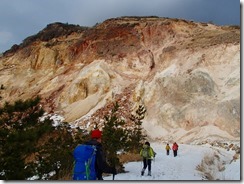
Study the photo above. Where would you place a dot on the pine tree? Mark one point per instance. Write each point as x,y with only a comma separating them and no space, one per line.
114,137
18,137
137,137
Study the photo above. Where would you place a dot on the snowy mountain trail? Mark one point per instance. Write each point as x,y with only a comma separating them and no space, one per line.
184,166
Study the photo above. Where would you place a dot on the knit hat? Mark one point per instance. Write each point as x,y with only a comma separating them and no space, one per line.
147,143
96,134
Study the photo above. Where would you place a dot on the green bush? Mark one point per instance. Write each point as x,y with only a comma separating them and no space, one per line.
30,147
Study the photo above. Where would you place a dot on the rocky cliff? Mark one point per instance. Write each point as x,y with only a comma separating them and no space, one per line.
186,74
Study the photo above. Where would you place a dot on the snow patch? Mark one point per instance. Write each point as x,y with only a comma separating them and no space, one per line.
182,167
57,119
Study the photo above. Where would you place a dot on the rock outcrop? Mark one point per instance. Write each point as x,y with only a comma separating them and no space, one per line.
186,74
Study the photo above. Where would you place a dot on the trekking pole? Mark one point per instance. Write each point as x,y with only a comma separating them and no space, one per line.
114,166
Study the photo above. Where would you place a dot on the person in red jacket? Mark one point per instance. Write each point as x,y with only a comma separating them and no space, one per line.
175,148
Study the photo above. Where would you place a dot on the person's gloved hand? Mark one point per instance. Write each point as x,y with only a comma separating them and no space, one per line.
114,171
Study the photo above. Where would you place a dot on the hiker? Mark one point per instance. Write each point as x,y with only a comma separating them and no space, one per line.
100,163
167,149
147,154
175,148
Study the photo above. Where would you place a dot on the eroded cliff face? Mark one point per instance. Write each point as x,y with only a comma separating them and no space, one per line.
186,74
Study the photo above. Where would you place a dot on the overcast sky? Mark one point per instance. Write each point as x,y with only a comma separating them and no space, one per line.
22,18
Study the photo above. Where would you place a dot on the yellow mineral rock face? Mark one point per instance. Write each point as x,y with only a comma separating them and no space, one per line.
186,74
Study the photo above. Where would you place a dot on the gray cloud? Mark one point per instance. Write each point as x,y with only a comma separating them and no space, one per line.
27,17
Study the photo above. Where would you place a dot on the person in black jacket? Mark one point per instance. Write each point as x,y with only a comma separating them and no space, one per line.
101,165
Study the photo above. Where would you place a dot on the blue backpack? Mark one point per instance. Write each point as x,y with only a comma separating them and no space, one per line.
84,166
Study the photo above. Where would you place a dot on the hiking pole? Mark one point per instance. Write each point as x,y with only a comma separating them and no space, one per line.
114,172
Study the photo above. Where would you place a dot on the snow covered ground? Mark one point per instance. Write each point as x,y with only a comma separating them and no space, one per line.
183,167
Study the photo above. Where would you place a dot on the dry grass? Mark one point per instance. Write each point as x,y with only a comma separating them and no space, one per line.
130,157
213,37
66,175
204,167
210,166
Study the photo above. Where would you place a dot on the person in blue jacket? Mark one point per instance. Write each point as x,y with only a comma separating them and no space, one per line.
101,165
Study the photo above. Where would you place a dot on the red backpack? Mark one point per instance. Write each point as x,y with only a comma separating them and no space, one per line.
175,146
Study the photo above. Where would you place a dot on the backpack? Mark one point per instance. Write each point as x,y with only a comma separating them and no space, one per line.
84,164
175,147
145,153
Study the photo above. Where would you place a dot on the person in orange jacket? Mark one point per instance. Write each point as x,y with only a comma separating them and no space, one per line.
175,148
167,149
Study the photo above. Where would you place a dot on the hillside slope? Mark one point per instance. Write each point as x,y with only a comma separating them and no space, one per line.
187,74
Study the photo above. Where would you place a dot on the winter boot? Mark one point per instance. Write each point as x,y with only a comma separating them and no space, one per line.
142,171
149,173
